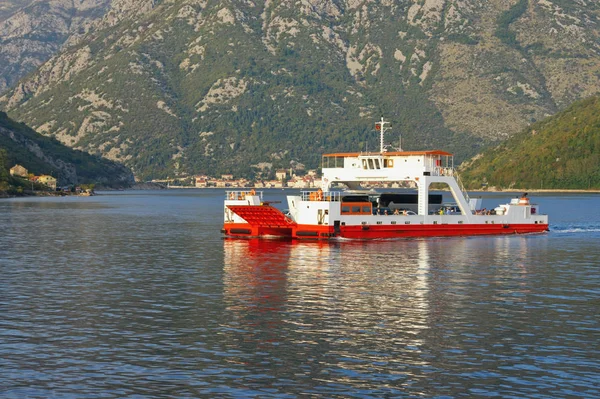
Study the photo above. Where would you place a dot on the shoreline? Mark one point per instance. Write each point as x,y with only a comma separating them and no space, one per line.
4,195
512,190
550,190
31,194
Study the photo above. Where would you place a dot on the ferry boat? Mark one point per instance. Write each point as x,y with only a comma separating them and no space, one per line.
357,213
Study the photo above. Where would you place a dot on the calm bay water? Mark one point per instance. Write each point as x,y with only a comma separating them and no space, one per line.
136,295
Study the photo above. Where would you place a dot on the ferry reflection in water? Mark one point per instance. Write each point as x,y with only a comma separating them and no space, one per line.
338,307
255,285
363,314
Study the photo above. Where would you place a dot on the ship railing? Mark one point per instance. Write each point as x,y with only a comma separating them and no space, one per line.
462,187
331,196
441,171
448,171
242,194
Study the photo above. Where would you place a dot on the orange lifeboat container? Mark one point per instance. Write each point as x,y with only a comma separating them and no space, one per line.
524,200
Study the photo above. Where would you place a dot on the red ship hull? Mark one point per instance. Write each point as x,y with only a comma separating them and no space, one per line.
269,221
379,232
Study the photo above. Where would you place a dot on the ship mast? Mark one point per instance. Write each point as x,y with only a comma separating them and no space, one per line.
382,129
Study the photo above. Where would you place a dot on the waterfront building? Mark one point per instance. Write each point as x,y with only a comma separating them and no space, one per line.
19,171
280,174
48,181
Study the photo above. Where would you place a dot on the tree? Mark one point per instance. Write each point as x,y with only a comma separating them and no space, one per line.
3,165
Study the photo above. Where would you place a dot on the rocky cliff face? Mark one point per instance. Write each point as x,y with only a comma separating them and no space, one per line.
190,86
9,7
33,31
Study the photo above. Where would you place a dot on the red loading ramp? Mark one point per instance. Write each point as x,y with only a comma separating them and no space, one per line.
262,216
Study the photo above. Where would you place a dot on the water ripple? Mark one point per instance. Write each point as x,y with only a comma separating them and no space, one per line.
136,296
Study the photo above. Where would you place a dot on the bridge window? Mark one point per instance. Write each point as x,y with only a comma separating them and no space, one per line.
333,162
376,163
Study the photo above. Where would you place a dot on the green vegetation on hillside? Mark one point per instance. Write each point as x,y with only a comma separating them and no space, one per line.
3,170
170,96
7,182
561,152
10,185
503,31
44,155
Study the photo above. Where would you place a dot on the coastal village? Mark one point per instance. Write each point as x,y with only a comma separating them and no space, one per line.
284,178
22,172
48,183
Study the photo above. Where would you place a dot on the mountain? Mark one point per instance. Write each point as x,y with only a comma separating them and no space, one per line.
43,155
562,151
195,86
8,7
33,31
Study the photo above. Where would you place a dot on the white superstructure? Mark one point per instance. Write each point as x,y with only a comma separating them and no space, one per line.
360,213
